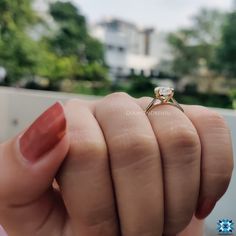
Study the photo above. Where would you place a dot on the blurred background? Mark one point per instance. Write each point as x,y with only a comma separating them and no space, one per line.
87,47
98,47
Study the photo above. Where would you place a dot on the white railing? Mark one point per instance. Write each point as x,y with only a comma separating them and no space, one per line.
18,108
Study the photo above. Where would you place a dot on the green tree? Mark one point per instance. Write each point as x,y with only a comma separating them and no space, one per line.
197,43
73,38
56,68
207,26
17,49
15,15
70,52
185,53
226,53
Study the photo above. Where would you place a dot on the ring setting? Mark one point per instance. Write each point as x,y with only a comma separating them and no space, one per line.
163,96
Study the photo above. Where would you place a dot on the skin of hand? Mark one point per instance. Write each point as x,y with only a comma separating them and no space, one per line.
118,170
195,228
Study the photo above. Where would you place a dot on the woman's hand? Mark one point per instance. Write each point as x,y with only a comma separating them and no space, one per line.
120,172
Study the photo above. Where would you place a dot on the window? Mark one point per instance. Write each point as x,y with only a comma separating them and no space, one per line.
121,49
110,47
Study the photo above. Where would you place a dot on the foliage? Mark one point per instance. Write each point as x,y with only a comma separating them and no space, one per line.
186,56
207,26
140,86
18,57
73,38
17,49
198,43
68,53
227,50
233,96
72,51
16,15
209,100
55,68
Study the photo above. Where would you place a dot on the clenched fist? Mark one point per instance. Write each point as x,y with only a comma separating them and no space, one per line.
105,168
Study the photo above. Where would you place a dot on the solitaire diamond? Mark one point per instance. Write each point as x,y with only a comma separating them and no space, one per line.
164,91
163,96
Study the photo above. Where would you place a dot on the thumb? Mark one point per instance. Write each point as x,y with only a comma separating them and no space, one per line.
28,165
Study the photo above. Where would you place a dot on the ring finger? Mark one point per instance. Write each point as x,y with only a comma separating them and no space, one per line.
181,151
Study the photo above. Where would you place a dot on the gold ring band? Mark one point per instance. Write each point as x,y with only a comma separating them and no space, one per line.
163,96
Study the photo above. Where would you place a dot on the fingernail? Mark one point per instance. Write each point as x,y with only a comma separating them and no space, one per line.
205,208
43,135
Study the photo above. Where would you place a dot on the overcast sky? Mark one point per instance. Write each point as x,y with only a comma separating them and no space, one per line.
162,14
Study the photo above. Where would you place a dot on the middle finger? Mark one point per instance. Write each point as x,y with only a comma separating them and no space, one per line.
135,165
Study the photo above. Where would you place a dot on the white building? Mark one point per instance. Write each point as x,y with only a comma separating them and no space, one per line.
129,48
234,4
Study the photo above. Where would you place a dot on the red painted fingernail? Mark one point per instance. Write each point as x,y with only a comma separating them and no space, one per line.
205,208
44,133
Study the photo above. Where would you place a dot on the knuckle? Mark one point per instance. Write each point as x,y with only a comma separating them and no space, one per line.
186,143
74,102
137,144
92,148
227,167
211,117
83,145
71,102
129,149
117,103
225,177
218,174
216,183
184,138
115,98
118,95
216,119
